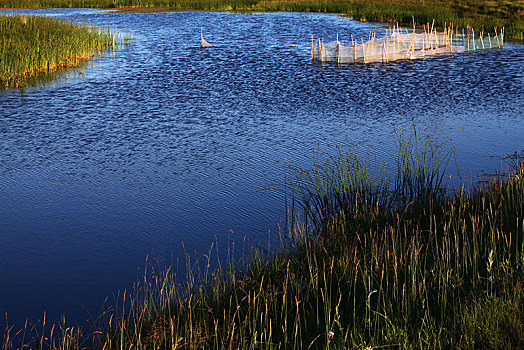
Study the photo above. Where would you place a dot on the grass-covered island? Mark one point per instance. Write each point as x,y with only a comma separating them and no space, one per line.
481,15
32,47
378,256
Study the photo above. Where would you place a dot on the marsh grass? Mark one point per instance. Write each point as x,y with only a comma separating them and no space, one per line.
484,15
33,48
375,258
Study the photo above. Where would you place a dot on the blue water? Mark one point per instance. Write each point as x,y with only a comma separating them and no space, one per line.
166,144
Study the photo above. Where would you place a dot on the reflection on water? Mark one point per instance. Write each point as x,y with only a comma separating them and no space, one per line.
166,143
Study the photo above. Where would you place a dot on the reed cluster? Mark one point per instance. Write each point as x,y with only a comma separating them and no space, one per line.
483,16
31,46
378,255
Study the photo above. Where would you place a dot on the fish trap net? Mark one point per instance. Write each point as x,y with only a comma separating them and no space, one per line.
400,44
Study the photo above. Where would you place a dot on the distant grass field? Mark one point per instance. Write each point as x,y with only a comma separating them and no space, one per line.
36,46
480,15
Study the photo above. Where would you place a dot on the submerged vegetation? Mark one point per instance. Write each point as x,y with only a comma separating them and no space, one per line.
379,255
484,15
35,46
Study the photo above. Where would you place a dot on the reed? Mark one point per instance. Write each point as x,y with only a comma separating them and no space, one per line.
378,255
33,47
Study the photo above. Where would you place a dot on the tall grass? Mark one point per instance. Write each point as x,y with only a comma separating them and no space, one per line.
32,46
378,256
484,15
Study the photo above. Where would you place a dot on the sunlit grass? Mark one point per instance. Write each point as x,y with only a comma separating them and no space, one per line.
482,16
35,46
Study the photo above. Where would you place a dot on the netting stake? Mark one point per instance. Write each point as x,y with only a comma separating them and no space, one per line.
354,49
363,50
338,53
468,37
463,40
322,51
451,39
312,57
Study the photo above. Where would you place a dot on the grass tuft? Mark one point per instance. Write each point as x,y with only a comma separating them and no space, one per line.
34,48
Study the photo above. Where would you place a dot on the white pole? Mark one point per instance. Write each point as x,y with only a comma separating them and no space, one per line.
363,50
312,56
338,53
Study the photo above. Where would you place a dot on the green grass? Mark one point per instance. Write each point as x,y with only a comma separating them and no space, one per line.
36,47
378,255
484,15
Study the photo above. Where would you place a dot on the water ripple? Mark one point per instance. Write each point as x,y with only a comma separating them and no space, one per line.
165,143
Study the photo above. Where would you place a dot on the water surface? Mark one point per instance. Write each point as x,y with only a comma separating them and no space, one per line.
166,144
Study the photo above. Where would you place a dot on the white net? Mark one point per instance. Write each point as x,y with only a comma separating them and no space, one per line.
399,44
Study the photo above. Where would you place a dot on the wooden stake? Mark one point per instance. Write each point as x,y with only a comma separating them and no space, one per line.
367,47
338,53
425,41
398,41
354,49
456,32
363,50
322,51
423,44
312,56
404,41
463,40
468,38
489,37
451,39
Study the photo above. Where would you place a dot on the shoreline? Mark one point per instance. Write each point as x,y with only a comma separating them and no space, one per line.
462,13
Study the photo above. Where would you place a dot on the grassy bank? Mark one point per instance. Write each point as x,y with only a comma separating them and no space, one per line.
33,46
377,256
485,15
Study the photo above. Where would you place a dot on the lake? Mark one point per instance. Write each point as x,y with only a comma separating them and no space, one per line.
163,148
